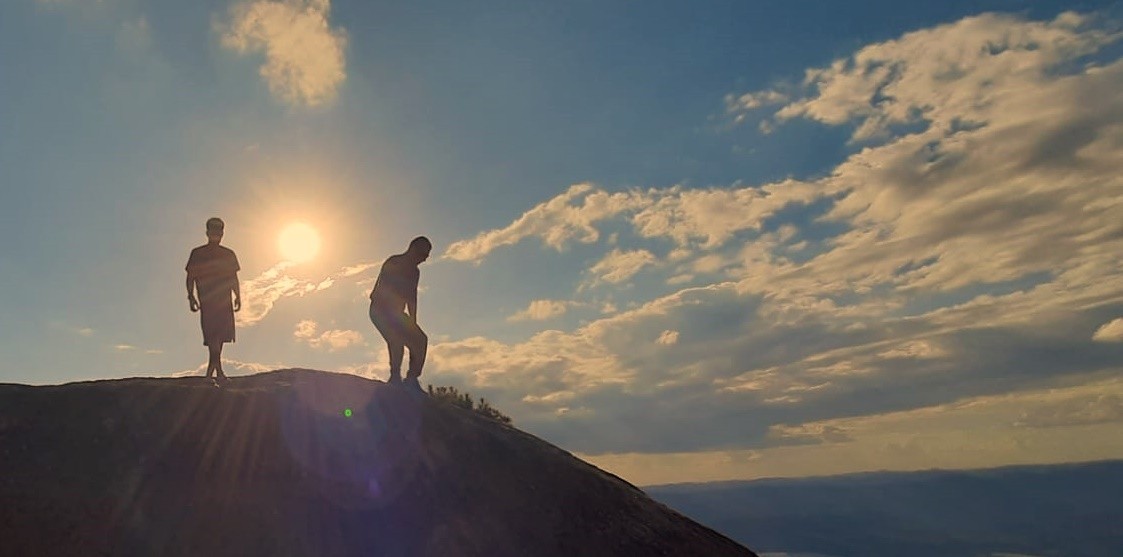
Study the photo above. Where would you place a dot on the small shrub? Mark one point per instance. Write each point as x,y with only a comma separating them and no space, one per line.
453,396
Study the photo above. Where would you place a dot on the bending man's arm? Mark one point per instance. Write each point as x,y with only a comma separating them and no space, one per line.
411,300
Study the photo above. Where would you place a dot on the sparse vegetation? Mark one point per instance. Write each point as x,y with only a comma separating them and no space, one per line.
453,396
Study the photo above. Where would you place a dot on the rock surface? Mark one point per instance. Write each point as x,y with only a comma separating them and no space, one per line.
298,462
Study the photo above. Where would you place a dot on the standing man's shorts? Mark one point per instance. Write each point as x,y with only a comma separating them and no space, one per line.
217,321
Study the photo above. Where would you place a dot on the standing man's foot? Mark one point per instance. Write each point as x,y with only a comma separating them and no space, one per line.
394,379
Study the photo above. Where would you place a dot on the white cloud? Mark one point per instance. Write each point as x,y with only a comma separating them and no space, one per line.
944,75
750,101
709,216
557,222
232,367
540,310
667,338
332,339
1111,331
619,265
359,269
260,293
1012,169
304,56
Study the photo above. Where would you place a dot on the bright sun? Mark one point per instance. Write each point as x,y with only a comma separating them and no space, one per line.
299,242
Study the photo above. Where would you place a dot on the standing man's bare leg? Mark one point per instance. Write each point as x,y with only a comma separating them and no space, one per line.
218,363
211,361
214,364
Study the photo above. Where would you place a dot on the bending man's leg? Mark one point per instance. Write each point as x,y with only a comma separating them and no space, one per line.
388,326
418,343
397,351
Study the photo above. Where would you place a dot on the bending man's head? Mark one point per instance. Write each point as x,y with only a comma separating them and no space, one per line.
419,249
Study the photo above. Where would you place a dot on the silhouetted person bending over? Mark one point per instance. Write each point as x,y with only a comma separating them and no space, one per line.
213,271
394,293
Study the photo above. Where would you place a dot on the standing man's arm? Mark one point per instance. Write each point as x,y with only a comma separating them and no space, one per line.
237,293
191,301
235,267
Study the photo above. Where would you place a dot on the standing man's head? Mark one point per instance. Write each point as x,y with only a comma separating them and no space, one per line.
419,249
215,227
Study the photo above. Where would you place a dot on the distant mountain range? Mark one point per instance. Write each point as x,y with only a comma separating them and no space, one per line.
1071,510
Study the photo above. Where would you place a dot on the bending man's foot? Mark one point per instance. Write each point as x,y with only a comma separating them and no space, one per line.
413,384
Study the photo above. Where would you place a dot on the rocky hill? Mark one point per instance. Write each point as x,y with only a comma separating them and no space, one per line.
298,462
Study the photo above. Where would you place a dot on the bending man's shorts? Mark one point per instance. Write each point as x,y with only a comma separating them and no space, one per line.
395,326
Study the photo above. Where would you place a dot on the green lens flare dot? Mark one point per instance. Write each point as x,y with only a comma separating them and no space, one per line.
347,412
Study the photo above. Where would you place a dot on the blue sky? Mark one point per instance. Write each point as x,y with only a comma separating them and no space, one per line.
689,242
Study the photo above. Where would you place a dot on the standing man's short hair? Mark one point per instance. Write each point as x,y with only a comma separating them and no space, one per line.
215,224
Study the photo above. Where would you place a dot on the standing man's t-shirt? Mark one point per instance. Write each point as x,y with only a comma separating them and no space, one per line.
215,269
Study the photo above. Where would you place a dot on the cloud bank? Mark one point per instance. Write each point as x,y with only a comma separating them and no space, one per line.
968,247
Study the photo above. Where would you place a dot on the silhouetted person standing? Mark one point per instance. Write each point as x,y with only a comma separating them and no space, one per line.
212,270
395,293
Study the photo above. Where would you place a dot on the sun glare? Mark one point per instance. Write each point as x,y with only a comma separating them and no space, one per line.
299,242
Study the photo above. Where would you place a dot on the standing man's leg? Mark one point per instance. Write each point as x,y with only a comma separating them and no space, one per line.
221,376
214,350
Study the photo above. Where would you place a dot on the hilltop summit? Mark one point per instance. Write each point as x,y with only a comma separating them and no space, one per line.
299,462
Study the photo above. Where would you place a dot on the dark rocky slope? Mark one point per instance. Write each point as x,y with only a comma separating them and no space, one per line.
298,462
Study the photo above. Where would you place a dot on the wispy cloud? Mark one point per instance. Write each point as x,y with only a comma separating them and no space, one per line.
304,55
232,367
1110,332
260,293
708,217
618,265
557,222
667,338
